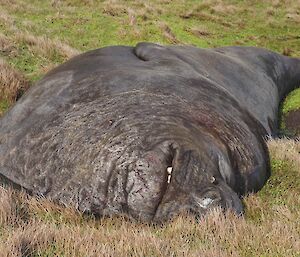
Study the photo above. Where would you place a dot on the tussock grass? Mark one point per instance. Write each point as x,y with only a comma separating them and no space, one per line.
199,31
286,150
168,34
5,44
6,18
114,9
204,16
12,84
47,47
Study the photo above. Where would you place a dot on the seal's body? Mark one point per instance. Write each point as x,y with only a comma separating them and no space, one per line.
148,131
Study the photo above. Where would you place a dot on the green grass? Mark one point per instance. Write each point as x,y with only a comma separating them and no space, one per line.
285,178
292,102
3,106
86,27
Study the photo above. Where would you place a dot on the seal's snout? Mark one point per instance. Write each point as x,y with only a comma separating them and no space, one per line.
192,188
220,196
206,202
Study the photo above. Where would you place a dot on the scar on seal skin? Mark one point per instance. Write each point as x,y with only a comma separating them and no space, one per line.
148,131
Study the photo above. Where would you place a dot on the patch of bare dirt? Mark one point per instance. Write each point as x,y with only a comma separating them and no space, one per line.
292,121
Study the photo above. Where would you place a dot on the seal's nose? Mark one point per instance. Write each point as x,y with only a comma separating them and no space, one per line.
221,197
206,202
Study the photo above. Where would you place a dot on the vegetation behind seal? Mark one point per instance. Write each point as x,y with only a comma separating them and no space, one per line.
290,113
35,36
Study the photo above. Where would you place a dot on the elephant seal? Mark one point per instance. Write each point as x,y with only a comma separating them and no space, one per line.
148,131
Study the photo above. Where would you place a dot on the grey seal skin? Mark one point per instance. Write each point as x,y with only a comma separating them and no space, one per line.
103,131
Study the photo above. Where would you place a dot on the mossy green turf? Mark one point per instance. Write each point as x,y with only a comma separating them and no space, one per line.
292,101
284,180
89,26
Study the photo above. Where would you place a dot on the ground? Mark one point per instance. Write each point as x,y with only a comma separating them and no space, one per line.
35,36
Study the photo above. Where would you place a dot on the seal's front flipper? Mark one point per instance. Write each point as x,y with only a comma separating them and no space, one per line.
5,182
150,51
165,60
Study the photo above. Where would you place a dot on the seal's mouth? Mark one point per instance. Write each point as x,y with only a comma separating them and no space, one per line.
149,180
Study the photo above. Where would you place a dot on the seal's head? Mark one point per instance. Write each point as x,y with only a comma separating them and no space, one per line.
196,186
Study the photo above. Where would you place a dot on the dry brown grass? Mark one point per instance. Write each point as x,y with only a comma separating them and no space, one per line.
113,8
217,234
42,228
294,16
7,1
6,18
15,5
12,83
6,45
135,10
46,46
219,7
213,10
286,150
8,210
199,14
141,8
168,34
199,31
